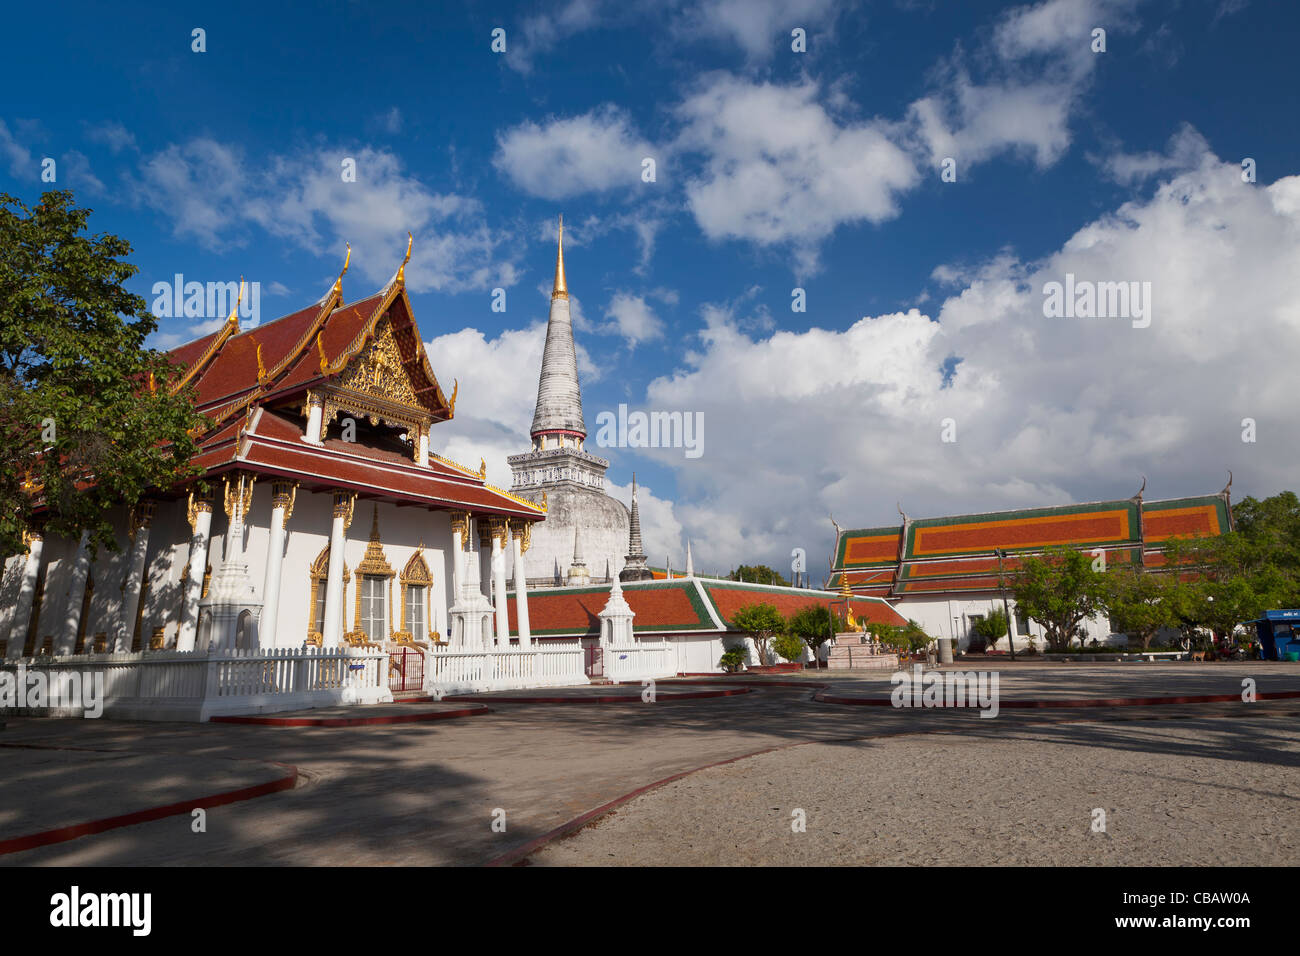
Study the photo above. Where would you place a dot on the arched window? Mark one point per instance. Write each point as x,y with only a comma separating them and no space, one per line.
374,580
417,588
319,573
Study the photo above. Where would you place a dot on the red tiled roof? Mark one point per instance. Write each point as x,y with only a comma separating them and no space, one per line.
683,604
957,554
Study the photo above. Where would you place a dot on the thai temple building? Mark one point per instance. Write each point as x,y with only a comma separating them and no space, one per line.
322,516
325,553
943,572
584,538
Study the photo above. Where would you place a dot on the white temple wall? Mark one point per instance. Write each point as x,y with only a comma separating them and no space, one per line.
945,617
108,572
11,580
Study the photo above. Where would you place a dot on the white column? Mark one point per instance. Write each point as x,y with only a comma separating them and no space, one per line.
422,456
484,557
283,494
333,629
134,578
315,412
67,639
459,532
499,529
200,515
26,595
517,543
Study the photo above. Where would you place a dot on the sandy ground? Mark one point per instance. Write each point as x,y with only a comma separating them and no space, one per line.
1174,792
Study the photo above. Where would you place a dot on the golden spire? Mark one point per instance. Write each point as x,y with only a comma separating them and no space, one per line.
338,283
560,290
233,317
401,270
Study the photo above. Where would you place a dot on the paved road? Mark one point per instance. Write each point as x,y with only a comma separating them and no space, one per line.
426,793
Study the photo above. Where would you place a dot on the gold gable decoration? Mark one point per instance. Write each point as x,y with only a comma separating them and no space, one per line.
378,370
375,385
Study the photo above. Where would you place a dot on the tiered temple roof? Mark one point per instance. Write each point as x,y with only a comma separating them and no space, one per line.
959,553
364,359
681,606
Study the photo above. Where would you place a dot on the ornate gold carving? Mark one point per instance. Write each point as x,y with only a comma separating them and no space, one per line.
374,561
499,529
241,495
320,349
284,494
460,524
416,574
378,370
455,388
482,468
525,537
344,503
261,369
196,508
140,516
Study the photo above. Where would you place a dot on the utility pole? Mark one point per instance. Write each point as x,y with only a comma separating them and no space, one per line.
1002,584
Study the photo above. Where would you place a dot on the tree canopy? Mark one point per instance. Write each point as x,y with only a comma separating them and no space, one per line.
88,418
1059,590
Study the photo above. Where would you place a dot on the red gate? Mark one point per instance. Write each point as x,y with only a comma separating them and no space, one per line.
593,661
405,669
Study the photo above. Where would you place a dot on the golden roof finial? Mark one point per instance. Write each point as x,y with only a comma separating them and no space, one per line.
261,368
233,317
560,290
454,389
338,283
401,270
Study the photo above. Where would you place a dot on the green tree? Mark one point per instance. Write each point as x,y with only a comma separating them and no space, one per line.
759,621
81,428
756,574
991,628
1226,580
1141,603
813,625
1059,590
788,646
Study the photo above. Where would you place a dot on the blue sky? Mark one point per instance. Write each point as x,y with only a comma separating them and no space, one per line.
774,170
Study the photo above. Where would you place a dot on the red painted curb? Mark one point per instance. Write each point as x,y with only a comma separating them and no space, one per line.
608,699
354,721
63,834
1077,702
577,823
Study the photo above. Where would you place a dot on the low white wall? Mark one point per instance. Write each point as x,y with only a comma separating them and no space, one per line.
197,685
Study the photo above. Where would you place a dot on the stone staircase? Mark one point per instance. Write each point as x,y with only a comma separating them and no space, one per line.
852,651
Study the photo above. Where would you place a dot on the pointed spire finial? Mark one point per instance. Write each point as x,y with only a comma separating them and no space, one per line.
401,270
337,288
560,290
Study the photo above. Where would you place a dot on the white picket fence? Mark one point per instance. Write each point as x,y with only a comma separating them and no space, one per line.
640,661
459,671
196,685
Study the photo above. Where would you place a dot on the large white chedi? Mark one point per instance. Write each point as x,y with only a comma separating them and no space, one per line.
585,535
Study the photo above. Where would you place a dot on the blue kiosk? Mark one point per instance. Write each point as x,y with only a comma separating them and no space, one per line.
1279,634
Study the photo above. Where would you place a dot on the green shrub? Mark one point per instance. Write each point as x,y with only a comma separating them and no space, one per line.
788,646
